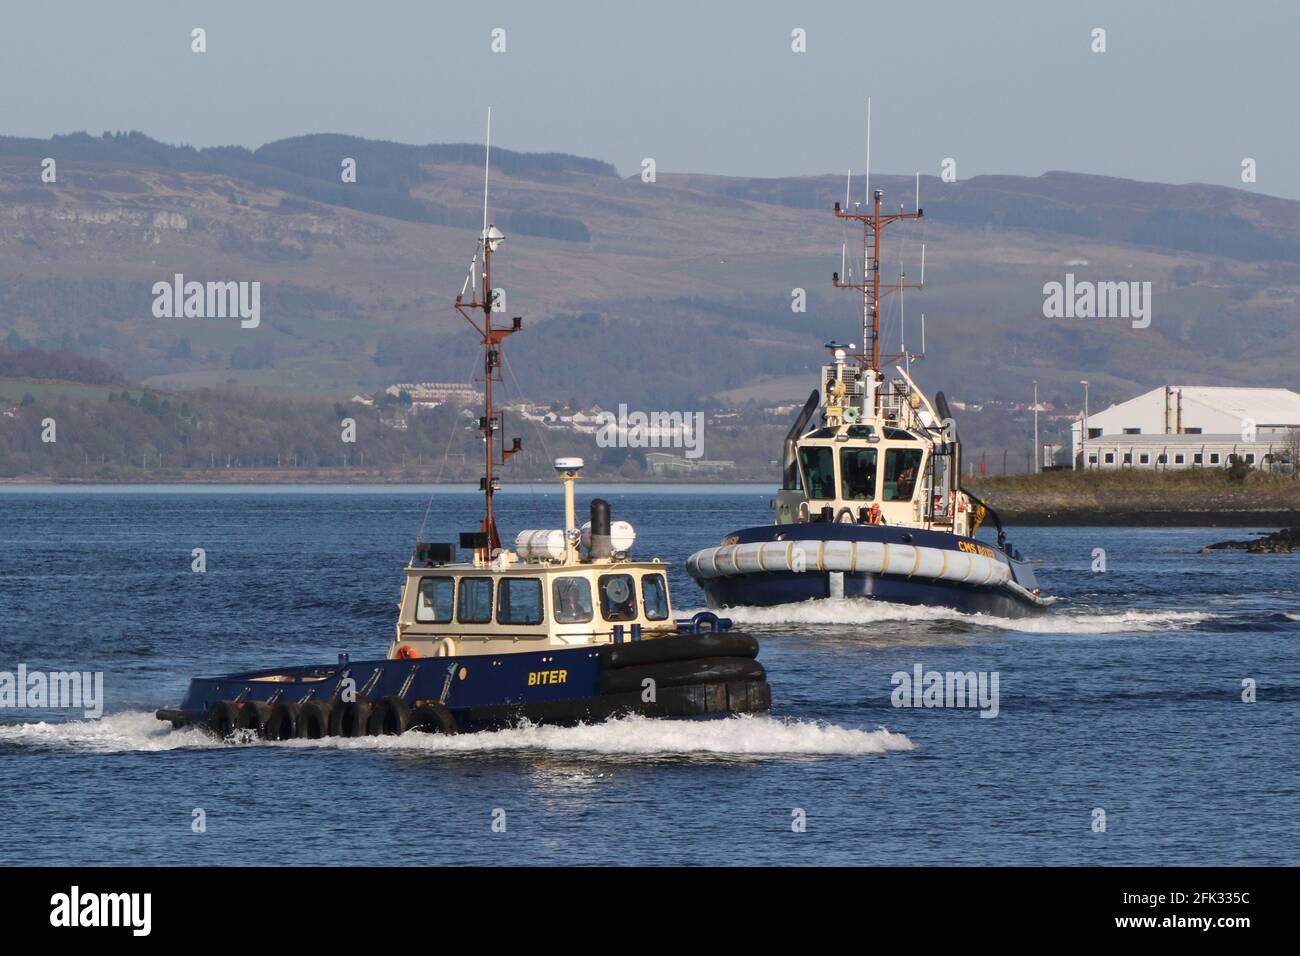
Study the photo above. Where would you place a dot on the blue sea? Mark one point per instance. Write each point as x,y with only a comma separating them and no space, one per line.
1121,735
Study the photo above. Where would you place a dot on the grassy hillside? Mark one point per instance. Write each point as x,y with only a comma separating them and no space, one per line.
673,294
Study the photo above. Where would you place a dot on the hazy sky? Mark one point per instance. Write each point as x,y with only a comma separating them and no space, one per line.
1183,92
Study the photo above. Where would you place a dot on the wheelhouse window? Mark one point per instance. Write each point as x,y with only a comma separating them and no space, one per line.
433,605
572,597
818,465
475,601
617,597
901,467
519,601
654,595
858,474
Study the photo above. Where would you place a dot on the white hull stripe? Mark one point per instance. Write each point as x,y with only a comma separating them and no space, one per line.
859,557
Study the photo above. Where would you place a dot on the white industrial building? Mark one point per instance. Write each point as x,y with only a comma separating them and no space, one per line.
1185,426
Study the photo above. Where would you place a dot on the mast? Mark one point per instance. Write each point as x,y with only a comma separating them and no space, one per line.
491,338
873,290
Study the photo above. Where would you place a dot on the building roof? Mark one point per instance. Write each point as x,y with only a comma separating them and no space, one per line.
1266,405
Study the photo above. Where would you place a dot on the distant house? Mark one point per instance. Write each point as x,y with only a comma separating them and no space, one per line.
662,463
362,399
432,394
1186,426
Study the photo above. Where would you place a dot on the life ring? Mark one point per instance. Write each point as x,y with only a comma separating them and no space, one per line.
874,516
407,653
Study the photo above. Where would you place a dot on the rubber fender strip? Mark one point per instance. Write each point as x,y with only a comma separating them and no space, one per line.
678,648
680,673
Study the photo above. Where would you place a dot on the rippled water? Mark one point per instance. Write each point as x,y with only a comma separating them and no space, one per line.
1126,698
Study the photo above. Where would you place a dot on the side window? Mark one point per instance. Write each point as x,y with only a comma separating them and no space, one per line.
617,597
654,594
572,600
475,602
433,605
858,474
901,467
519,601
818,466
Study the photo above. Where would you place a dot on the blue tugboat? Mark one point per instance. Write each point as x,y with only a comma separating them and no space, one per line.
871,504
565,628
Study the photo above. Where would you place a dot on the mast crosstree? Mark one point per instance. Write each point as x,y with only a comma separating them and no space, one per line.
873,290
485,299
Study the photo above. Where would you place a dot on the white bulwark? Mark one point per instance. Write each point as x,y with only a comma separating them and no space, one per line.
1186,426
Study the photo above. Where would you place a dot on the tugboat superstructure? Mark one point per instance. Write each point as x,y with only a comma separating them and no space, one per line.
871,503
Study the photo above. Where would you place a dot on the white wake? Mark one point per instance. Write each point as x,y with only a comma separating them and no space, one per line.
745,736
842,611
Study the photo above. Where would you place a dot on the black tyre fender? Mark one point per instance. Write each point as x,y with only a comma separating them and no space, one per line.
433,718
223,719
313,720
681,647
349,718
391,717
706,670
253,716
283,722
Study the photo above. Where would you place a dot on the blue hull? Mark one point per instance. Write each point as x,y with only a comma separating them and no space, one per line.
491,691
770,588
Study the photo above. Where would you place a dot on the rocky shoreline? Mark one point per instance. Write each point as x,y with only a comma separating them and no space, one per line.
1284,541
